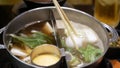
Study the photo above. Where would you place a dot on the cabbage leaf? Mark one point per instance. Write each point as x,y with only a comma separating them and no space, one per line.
37,38
90,53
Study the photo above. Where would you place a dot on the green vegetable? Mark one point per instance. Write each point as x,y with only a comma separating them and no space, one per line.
74,61
90,53
36,39
87,53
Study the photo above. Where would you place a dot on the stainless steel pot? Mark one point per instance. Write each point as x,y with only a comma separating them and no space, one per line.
42,13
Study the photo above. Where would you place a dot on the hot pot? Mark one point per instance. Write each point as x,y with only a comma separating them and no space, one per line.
42,13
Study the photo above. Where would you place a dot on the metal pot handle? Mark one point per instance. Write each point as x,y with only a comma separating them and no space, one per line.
1,45
2,29
113,32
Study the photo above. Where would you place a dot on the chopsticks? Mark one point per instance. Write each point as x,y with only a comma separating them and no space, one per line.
53,23
66,22
63,16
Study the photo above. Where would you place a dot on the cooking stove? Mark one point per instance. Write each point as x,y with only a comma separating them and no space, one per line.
6,61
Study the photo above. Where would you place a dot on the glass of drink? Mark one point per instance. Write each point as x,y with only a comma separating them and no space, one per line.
107,11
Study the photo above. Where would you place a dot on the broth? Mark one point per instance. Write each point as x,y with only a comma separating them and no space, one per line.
46,59
32,35
87,40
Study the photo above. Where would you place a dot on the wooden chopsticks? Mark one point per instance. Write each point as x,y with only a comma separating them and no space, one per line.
66,22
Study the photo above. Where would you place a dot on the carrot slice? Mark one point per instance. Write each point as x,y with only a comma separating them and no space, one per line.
115,63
